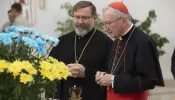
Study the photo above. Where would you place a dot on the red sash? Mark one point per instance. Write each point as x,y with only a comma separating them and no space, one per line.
131,96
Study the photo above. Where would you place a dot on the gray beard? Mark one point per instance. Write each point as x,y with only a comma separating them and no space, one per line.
81,33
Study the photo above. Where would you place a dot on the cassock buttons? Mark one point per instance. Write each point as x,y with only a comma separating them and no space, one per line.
120,46
80,37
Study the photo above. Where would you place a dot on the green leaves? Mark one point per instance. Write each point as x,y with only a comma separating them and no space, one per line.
145,26
10,87
67,26
50,89
68,7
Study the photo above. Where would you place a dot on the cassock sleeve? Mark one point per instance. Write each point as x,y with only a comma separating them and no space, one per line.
54,52
173,64
90,72
146,74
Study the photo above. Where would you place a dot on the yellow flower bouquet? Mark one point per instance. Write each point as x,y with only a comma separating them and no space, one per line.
26,71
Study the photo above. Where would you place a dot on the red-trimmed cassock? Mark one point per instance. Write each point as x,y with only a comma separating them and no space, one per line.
138,69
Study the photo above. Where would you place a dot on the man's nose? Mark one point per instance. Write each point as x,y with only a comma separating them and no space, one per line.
106,29
80,20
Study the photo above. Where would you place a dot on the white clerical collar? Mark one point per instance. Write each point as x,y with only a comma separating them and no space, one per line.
120,38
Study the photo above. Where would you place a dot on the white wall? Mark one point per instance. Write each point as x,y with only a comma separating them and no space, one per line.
164,25
46,19
4,7
53,13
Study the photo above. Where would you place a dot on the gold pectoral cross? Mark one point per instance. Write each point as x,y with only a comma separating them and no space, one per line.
75,93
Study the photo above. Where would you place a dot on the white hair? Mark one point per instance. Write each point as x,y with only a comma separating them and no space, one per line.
118,13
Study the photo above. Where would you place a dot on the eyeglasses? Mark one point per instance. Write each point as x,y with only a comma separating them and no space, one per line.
108,23
82,17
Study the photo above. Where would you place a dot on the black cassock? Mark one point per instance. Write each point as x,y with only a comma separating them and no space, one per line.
94,59
173,64
138,68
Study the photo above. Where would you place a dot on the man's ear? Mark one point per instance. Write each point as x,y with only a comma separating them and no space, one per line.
124,19
95,17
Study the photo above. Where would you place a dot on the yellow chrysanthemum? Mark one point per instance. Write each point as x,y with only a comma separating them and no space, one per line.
52,69
45,65
47,74
64,72
29,68
15,68
45,70
3,65
56,72
25,78
53,60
